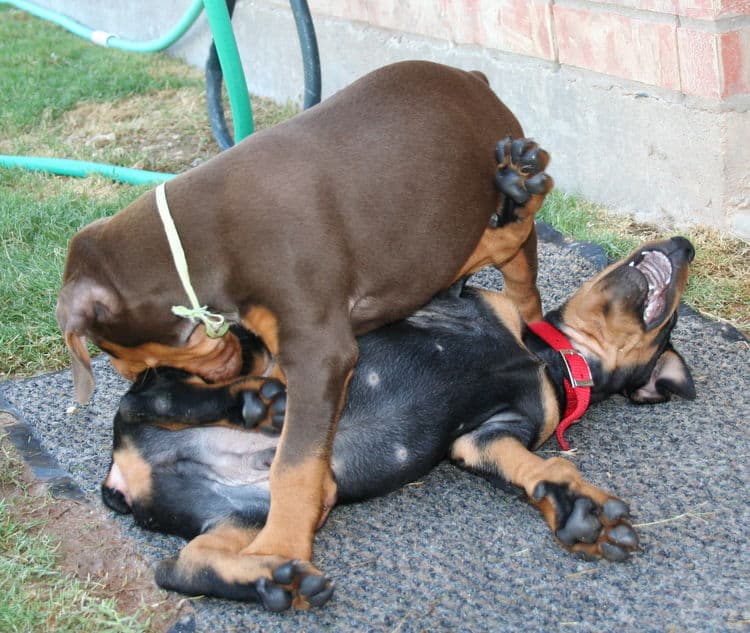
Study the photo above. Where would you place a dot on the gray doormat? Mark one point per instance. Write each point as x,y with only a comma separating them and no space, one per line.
453,553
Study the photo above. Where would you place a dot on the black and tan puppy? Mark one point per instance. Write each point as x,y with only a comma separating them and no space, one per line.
348,216
463,377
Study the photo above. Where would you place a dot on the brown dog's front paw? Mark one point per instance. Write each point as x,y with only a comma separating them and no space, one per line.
265,406
582,525
520,176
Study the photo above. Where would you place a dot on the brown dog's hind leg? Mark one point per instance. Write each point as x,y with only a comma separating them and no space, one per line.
582,517
523,185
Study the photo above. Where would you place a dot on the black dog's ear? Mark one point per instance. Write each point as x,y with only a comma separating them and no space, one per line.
669,376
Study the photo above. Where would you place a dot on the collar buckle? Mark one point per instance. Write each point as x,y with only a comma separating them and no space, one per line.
584,378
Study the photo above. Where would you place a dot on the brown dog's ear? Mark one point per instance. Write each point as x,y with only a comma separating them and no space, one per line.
83,376
669,376
80,305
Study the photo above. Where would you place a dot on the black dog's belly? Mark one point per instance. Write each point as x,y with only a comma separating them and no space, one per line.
419,384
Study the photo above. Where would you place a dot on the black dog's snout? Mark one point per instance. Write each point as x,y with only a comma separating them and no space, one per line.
684,244
115,500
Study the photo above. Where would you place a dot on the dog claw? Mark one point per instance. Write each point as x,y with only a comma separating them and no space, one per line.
271,388
538,184
519,176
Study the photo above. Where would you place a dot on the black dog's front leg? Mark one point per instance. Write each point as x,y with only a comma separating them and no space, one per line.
582,517
169,397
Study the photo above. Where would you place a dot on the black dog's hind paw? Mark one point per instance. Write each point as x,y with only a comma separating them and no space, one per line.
291,583
265,406
520,175
580,524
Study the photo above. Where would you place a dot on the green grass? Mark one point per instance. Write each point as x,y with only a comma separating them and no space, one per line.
34,594
35,233
719,283
46,72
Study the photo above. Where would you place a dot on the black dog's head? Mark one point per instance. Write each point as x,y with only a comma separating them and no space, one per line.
623,319
181,460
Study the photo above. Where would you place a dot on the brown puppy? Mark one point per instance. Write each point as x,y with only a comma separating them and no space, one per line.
346,217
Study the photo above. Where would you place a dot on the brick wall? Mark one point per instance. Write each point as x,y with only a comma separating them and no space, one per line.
697,47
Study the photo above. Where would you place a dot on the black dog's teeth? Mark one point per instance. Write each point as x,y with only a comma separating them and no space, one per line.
253,409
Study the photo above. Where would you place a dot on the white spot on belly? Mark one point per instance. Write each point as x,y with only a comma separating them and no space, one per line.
373,379
401,453
439,347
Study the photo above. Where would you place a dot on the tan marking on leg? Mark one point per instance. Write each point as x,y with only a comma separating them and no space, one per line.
519,279
497,246
219,549
551,409
263,323
505,310
297,503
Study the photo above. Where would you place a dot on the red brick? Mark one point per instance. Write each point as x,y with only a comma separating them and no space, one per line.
700,9
699,62
618,45
734,60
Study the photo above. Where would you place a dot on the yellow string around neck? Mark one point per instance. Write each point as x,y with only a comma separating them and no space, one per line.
216,324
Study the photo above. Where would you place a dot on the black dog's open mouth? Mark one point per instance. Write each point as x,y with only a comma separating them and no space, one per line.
656,267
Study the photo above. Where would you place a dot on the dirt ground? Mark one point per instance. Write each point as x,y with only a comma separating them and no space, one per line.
92,548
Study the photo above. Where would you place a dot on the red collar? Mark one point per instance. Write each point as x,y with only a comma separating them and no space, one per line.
577,383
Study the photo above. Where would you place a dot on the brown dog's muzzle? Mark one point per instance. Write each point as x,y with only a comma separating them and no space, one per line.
213,359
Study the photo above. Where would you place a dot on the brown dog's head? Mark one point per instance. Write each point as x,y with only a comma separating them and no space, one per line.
124,307
622,320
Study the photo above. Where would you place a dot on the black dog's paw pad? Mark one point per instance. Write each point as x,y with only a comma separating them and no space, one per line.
254,410
613,553
284,574
582,526
265,407
615,509
271,388
321,594
623,534
273,597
